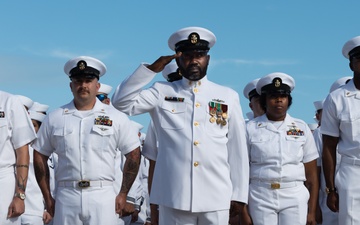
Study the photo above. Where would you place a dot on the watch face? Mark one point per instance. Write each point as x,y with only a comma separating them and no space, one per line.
22,196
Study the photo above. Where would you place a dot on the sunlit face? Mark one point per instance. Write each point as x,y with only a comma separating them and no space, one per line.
193,64
36,125
276,106
84,89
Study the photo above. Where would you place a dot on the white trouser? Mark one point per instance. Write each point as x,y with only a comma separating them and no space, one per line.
347,181
7,190
31,220
281,206
171,216
85,206
126,220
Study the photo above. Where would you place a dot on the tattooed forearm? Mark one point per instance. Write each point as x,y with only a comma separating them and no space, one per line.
131,169
21,183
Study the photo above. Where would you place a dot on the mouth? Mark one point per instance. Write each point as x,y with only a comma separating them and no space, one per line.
194,69
279,107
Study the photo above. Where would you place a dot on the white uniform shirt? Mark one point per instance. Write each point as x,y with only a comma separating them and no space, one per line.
201,166
275,155
86,145
341,118
16,129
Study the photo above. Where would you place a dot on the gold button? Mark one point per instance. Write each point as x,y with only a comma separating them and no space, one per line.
173,110
196,124
196,90
196,164
196,143
197,105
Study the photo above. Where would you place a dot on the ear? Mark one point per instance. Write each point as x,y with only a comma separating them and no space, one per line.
251,106
351,67
97,86
70,85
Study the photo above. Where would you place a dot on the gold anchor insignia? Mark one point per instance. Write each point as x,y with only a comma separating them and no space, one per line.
193,39
277,83
81,65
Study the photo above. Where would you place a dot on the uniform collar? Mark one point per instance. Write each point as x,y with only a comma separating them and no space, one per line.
191,84
264,122
99,107
350,90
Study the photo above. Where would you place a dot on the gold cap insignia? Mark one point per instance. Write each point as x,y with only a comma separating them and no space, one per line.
81,65
194,38
277,82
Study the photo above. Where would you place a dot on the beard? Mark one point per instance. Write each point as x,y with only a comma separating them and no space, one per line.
193,72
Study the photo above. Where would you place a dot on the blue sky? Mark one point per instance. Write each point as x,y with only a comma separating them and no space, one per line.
254,38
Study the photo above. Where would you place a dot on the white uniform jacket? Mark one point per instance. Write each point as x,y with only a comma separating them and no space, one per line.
86,144
201,165
341,118
279,154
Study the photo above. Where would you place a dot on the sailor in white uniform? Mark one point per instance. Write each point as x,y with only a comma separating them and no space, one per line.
202,162
341,133
16,132
86,134
283,172
254,98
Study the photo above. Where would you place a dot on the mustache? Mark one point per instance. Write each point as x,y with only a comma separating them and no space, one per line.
82,89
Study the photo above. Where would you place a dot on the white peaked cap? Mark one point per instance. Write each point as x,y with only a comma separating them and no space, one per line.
169,68
250,87
25,101
350,45
319,104
276,81
37,116
91,63
339,83
186,34
104,88
38,107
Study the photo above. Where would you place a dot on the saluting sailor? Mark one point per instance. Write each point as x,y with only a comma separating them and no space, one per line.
86,134
282,159
202,162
